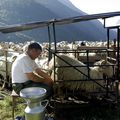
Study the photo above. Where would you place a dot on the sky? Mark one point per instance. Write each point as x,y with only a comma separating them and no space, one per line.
99,6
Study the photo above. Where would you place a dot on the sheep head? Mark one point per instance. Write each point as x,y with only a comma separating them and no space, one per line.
106,68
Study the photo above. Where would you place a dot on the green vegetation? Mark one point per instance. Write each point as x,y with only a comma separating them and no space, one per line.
6,109
90,112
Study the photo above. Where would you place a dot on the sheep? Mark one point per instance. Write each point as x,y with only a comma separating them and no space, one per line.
69,73
7,63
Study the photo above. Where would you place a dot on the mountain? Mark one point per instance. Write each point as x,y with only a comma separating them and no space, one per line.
24,11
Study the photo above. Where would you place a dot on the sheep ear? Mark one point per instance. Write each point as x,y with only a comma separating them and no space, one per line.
103,62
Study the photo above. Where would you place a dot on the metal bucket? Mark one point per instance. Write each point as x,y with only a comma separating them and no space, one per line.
36,105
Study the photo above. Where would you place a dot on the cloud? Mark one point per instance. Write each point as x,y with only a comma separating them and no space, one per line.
97,6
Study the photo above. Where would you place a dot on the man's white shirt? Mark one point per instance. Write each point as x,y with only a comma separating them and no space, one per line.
23,64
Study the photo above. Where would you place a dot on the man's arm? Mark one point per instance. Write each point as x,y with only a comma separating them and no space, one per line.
40,76
34,77
47,78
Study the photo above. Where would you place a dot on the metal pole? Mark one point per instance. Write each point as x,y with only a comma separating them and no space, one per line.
118,64
49,49
114,48
54,35
104,22
88,66
108,37
118,61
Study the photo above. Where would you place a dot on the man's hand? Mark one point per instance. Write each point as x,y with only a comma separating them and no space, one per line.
48,81
37,78
45,76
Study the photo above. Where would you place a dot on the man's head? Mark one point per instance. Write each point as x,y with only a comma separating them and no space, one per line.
34,50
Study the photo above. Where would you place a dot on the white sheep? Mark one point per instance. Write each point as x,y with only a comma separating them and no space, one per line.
6,64
69,73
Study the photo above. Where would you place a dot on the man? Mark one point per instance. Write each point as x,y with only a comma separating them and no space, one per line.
26,73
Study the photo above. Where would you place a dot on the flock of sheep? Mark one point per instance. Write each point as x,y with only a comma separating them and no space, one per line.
76,74
71,69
